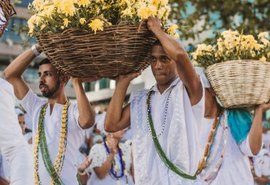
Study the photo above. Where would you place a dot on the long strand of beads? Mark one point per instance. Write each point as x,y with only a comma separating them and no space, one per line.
165,112
214,169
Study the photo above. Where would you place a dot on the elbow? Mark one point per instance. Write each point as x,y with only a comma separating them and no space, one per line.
87,123
7,76
255,150
108,127
101,176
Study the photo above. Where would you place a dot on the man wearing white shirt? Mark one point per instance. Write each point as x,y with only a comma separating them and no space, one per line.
174,106
12,143
57,124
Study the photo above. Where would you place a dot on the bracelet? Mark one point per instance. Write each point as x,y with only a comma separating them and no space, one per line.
35,51
81,172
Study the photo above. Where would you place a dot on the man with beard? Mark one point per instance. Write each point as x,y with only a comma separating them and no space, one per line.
57,124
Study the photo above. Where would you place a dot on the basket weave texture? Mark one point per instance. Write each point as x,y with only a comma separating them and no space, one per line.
119,49
8,11
240,83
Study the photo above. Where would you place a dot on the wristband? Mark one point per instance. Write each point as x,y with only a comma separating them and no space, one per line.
35,51
81,172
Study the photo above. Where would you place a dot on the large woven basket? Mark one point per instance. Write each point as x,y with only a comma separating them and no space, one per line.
119,49
240,83
6,11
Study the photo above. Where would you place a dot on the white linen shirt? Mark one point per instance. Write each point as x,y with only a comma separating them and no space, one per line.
12,143
52,123
178,135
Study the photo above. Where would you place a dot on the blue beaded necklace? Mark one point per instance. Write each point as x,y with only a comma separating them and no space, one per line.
112,171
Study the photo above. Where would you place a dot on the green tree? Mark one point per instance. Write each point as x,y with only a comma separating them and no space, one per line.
247,16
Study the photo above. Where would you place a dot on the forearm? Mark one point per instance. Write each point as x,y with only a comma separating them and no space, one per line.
115,108
86,112
255,134
102,171
16,68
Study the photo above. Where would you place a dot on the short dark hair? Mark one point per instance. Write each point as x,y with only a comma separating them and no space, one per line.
44,61
21,114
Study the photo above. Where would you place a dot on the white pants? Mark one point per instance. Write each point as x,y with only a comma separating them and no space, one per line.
12,143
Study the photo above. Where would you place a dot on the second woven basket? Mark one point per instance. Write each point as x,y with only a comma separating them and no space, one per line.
240,83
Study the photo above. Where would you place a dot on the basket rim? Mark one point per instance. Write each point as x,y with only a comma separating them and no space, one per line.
138,26
238,61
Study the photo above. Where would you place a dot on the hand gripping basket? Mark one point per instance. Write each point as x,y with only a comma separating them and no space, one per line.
240,83
119,49
6,11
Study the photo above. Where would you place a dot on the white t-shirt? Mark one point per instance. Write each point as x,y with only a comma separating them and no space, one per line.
99,155
235,167
32,104
177,130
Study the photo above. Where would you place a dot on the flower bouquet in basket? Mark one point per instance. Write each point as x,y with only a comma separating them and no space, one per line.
96,38
238,68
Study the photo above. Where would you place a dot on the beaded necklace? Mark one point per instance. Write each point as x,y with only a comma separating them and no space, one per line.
213,170
162,154
40,143
165,114
112,171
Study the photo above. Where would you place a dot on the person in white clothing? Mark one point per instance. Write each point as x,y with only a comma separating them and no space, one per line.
57,124
13,146
111,161
261,165
230,136
165,119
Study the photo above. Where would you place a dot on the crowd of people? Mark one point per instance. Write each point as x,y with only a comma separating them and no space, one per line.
175,133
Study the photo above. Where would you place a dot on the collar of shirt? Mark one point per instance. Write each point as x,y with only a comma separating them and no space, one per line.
174,83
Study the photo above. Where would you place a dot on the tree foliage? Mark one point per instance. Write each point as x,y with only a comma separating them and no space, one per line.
197,16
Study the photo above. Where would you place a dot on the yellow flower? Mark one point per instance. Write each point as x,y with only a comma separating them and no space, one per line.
84,3
127,12
66,22
263,59
67,7
82,21
155,2
146,11
172,29
96,24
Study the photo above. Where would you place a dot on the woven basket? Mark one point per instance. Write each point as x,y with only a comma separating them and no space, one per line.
6,12
240,83
119,49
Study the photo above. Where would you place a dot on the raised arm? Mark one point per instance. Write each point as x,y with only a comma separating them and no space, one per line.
117,117
177,53
13,73
86,112
255,134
